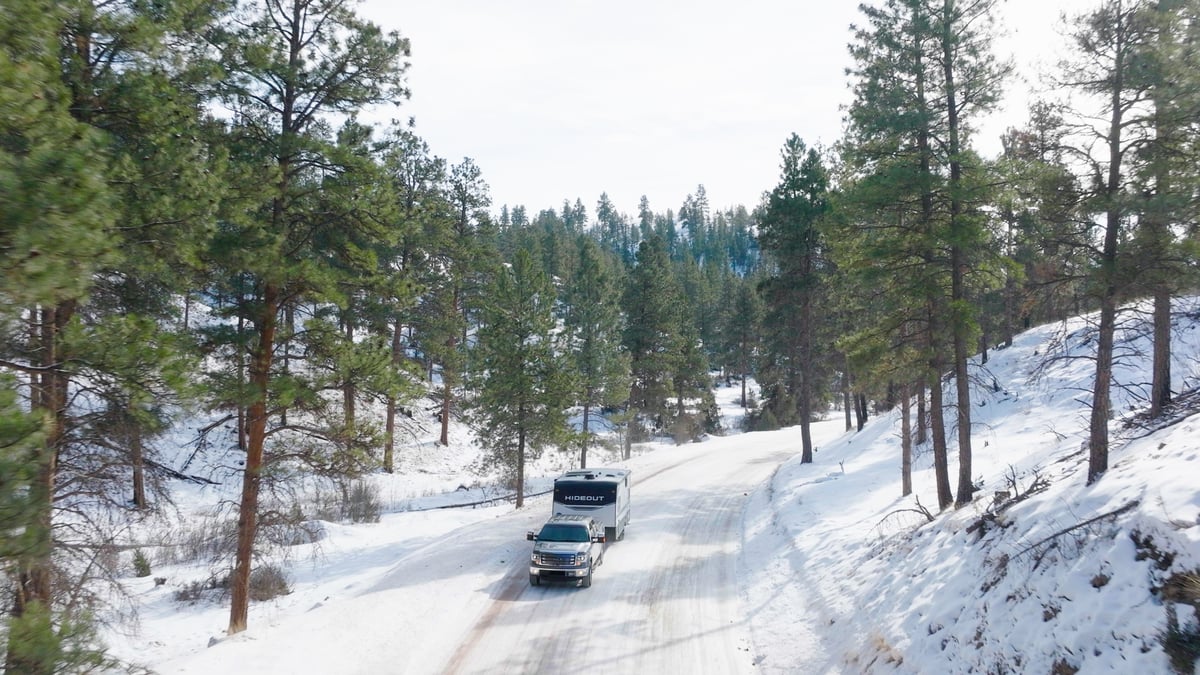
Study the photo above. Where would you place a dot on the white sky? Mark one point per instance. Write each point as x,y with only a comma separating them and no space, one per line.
566,99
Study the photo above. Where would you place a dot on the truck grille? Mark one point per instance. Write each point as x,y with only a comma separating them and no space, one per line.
556,559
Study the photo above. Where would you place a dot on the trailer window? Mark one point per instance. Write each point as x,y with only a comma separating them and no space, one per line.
581,493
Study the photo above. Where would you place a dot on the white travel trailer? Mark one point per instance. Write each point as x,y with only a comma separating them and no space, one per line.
602,494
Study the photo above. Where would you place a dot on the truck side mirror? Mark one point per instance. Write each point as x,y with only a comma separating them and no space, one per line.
599,539
529,536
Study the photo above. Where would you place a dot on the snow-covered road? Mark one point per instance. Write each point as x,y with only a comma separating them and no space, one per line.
665,599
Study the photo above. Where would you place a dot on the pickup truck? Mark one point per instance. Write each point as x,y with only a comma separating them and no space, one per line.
568,548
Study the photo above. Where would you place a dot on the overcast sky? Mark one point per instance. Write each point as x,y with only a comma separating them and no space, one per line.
566,99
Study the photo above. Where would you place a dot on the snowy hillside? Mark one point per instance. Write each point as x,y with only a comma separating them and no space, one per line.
836,572
860,583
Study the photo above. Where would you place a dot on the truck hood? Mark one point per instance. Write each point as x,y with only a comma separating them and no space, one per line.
560,547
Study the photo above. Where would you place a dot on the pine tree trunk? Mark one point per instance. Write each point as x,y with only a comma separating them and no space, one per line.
521,468
935,303
241,378
806,369
289,330
447,396
906,444
1101,394
1010,310
922,433
806,452
958,261
247,526
962,380
583,452
389,436
389,447
448,375
1161,384
745,376
846,402
1101,397
349,390
137,459
34,589
941,464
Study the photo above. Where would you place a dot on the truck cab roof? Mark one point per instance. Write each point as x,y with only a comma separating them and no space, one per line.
570,528
570,519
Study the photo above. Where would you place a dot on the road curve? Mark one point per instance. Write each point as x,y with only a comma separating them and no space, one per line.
666,597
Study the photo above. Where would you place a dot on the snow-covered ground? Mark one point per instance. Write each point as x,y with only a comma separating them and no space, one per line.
827,570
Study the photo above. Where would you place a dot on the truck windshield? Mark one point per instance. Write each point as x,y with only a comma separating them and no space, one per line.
571,533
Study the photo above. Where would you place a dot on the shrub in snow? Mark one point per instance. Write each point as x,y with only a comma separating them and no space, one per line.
1181,639
209,538
141,564
268,582
194,591
362,503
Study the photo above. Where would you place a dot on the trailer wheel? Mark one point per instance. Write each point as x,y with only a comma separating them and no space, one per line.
535,580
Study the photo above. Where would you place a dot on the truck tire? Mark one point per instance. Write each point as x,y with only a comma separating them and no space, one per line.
587,581
535,580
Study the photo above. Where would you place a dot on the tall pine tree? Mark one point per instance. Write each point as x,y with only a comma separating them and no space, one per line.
593,327
523,388
653,319
289,65
55,209
790,235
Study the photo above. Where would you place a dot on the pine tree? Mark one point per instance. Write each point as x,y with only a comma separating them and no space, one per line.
136,74
653,320
289,64
417,181
690,381
592,322
347,346
55,210
1110,41
1038,210
790,235
614,230
522,384
1167,65
742,332
971,81
463,251
645,220
921,72
892,194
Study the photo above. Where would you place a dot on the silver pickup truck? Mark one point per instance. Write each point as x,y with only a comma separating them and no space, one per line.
568,548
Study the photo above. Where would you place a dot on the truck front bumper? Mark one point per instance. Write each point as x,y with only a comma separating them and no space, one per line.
558,572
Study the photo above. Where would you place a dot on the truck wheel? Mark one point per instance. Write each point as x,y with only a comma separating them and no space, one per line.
587,581
535,580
